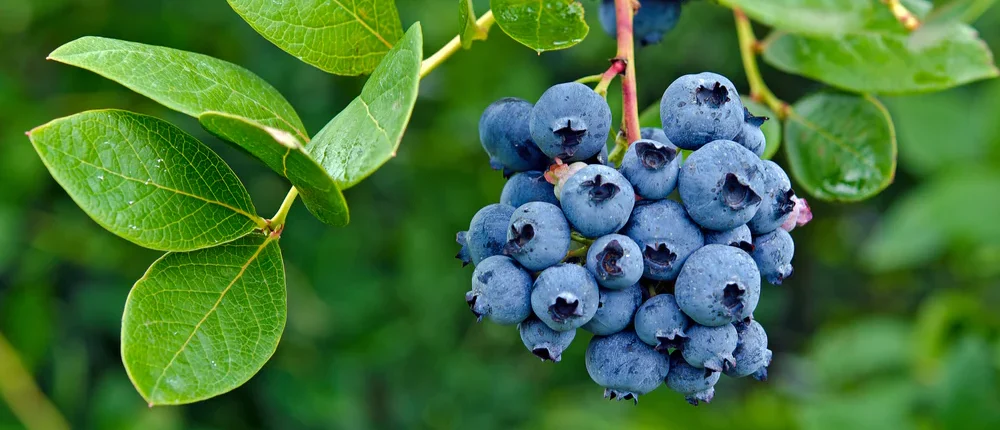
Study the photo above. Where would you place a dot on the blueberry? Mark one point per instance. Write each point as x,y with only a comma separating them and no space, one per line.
615,261
615,310
751,354
653,20
624,366
773,254
739,237
697,385
538,235
698,109
570,122
654,133
660,323
565,297
750,135
721,185
597,200
710,347
487,234
527,187
665,235
652,168
505,135
600,158
501,291
718,285
544,342
777,202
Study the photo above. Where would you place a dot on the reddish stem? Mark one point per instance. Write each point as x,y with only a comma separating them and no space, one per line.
624,11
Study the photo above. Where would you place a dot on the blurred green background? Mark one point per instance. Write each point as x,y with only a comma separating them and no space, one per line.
890,321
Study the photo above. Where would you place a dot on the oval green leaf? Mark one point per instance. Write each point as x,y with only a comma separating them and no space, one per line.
199,324
542,25
366,134
825,17
885,63
771,127
343,37
187,82
146,180
469,31
283,153
841,147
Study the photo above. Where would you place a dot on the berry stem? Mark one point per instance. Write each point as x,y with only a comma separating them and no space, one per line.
749,47
625,11
902,14
617,68
26,401
427,66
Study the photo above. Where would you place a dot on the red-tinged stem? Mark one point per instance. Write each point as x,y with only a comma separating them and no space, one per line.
625,11
617,68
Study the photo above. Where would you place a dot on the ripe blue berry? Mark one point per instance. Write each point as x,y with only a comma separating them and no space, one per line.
710,347
654,133
565,297
538,235
487,234
624,366
615,310
665,235
652,168
615,261
653,20
751,354
528,187
697,385
773,254
777,202
544,342
739,237
505,135
750,135
698,109
718,285
660,323
597,200
721,185
570,122
501,291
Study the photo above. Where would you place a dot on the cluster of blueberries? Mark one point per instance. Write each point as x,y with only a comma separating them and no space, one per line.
660,259
653,20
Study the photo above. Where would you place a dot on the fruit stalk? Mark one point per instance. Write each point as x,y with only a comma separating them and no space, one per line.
749,47
427,66
902,14
625,11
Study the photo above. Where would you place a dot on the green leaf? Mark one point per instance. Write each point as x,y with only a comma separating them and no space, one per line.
469,30
146,180
771,127
199,324
958,10
367,133
825,17
885,63
841,147
542,25
184,81
283,153
344,37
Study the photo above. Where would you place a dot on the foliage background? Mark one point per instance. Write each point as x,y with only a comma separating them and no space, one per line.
889,322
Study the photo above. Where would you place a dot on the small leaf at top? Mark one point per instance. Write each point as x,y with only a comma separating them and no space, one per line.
184,81
146,180
283,153
343,37
199,324
542,25
841,147
366,134
771,127
469,31
885,63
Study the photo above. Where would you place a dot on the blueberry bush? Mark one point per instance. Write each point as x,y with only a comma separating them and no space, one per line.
650,226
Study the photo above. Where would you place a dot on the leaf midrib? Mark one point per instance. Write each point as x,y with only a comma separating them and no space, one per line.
363,24
215,306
